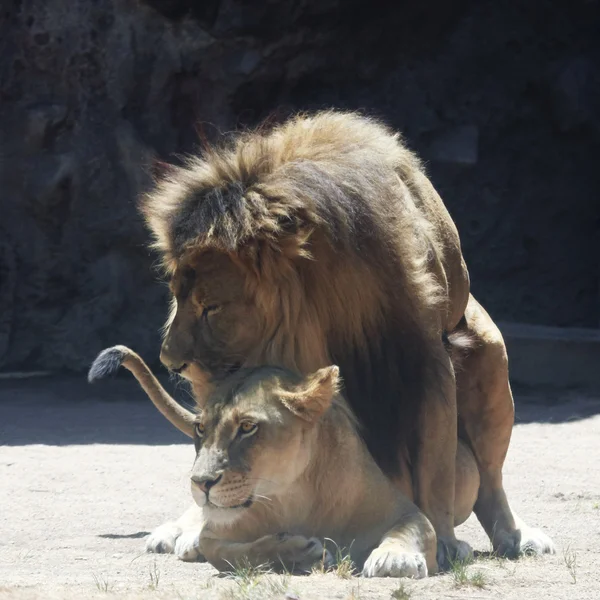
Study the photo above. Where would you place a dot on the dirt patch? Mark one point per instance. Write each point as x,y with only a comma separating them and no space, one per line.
83,482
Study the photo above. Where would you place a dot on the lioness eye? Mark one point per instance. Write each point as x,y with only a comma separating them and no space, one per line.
247,427
199,429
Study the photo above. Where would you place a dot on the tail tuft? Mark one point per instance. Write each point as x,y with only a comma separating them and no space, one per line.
107,363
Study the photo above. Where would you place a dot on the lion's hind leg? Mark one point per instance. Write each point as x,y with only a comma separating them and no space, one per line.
181,537
522,540
486,409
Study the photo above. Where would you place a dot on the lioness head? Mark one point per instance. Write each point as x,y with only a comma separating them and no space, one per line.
253,437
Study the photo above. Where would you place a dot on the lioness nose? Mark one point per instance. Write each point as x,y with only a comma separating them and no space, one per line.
206,482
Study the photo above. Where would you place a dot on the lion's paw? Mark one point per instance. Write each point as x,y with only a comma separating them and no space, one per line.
187,547
525,540
163,539
388,562
451,551
535,541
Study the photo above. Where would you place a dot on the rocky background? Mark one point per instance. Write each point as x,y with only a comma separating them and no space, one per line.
502,99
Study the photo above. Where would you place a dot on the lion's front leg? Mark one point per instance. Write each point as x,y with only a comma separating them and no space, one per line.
407,550
279,551
435,461
181,537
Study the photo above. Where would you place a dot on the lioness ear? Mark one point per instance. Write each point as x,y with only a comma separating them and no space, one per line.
312,397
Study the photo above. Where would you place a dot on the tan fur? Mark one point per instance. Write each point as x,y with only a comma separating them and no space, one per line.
309,474
319,241
346,301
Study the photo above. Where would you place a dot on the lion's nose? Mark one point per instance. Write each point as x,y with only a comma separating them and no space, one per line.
206,482
171,361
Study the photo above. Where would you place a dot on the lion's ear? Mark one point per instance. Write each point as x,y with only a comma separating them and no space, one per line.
162,170
312,397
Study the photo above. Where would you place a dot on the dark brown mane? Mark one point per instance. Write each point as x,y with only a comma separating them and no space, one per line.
322,213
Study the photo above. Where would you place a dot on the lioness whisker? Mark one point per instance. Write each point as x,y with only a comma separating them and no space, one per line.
259,497
261,479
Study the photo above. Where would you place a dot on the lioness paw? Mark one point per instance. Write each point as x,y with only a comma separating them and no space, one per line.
187,547
162,540
301,553
387,562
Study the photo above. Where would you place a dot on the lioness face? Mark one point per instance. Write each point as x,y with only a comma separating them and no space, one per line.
253,439
213,324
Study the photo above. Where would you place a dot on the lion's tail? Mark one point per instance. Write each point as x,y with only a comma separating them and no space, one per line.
108,363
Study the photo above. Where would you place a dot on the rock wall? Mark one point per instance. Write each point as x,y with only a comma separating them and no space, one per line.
501,99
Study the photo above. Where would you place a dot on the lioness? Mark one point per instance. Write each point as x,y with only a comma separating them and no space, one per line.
321,241
280,466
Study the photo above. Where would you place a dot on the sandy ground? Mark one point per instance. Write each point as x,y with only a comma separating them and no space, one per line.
87,471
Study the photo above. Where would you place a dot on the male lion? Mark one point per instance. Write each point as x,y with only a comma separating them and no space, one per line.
322,242
269,474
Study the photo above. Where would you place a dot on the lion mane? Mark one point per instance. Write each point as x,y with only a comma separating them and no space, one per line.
326,215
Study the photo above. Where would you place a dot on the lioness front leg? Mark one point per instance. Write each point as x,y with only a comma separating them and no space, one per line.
181,537
435,473
279,551
407,550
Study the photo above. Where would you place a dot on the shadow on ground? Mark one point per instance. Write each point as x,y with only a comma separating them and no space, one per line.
554,405
66,410
138,535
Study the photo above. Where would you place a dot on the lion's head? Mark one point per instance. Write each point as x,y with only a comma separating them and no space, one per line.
301,247
257,239
213,326
253,437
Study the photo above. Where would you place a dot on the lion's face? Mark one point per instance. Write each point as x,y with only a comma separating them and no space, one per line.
213,325
253,438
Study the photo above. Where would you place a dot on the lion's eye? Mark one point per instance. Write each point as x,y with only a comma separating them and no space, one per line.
200,429
248,428
210,309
